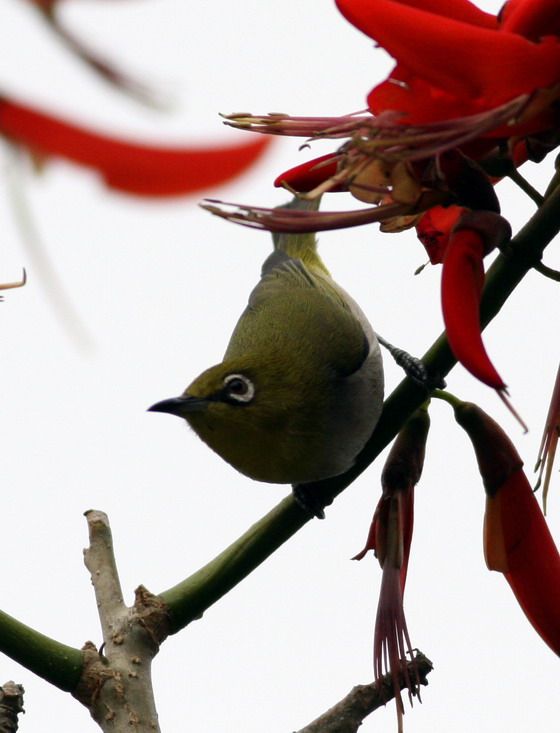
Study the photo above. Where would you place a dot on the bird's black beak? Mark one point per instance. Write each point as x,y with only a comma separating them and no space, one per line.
180,406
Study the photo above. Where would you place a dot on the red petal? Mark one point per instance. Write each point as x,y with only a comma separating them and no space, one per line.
531,18
456,56
461,282
462,10
406,516
519,544
434,230
391,643
495,552
419,101
309,175
134,168
375,536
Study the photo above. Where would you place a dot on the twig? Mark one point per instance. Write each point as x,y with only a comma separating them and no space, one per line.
11,705
348,714
116,685
99,558
55,292
526,187
547,271
129,85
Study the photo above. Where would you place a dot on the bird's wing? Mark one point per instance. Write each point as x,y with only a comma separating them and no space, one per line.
289,292
281,273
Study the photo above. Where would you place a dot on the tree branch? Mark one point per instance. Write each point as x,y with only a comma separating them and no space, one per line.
57,663
348,714
189,599
116,685
99,559
11,705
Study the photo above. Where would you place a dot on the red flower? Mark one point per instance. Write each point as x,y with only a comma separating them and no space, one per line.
434,230
310,175
390,537
454,60
144,170
465,81
474,236
517,541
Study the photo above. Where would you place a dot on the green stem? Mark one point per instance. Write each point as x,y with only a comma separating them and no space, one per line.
554,181
189,599
440,394
526,187
57,663
547,271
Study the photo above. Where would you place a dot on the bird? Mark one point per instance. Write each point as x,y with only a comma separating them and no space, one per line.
300,388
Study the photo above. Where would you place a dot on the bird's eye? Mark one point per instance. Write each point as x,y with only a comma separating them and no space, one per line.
238,388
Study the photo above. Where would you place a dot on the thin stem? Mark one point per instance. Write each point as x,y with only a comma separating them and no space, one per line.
526,187
547,271
554,181
440,394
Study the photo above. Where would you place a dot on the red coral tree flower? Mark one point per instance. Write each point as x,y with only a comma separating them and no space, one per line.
454,60
464,80
517,541
390,537
140,169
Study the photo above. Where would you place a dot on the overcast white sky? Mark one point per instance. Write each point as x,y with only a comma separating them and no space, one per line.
159,287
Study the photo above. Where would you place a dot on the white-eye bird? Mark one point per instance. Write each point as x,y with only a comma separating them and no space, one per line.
300,388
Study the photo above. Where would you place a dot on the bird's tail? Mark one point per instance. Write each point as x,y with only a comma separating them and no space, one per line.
301,245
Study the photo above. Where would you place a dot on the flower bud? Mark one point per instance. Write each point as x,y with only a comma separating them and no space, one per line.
517,541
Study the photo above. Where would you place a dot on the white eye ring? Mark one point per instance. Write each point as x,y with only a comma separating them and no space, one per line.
239,388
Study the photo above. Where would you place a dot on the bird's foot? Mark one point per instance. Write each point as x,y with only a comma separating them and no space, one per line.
413,367
308,500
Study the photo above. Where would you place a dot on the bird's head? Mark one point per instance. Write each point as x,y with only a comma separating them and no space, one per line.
265,419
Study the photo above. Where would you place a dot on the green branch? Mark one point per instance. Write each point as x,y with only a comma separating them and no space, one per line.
57,663
189,599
